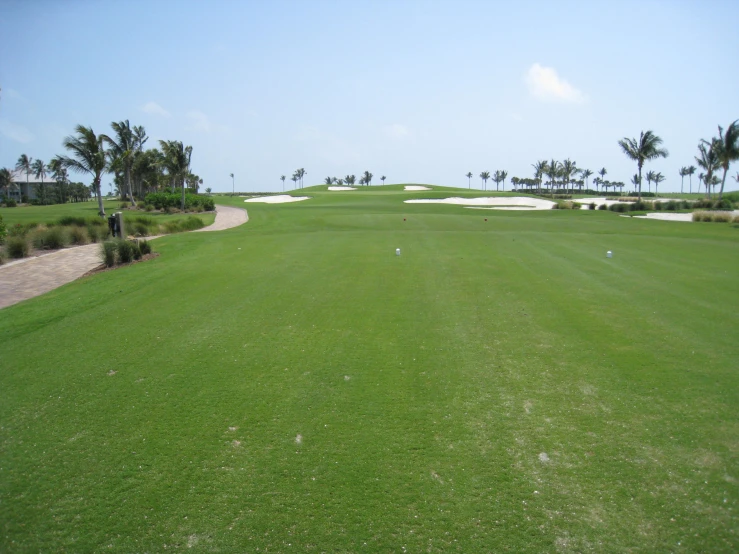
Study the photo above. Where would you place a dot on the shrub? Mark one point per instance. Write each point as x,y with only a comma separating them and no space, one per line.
672,205
722,217
3,230
145,247
124,205
658,206
107,252
619,207
2,257
641,206
11,203
96,233
702,216
592,206
17,247
736,219
163,200
72,220
136,249
51,238
140,229
78,235
148,207
125,251
603,207
724,204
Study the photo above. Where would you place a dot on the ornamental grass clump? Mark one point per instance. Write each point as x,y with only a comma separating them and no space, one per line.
125,251
78,235
107,252
51,238
17,247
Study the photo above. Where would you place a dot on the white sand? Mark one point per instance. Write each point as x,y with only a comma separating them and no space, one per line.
497,203
667,217
416,187
279,199
342,188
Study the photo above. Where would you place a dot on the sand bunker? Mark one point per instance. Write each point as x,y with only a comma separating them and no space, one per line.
342,188
279,199
416,187
667,217
495,203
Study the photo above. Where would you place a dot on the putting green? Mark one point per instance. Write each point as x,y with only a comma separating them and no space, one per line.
293,384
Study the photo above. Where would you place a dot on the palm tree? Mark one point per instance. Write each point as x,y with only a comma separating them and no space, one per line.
328,180
708,161
88,156
6,179
469,182
602,174
294,179
727,150
683,172
39,170
177,162
367,178
690,170
350,179
485,175
553,170
233,184
657,178
503,175
383,179
568,169
540,168
24,163
649,177
648,147
586,173
122,149
635,180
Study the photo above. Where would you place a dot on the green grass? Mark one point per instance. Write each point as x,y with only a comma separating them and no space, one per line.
87,210
160,404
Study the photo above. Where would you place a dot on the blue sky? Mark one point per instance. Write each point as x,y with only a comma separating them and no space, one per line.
420,91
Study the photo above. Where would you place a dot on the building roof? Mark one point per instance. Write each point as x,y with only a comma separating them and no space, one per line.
19,176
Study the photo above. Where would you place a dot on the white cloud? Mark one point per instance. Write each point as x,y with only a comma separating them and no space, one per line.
545,84
15,132
397,131
198,122
154,109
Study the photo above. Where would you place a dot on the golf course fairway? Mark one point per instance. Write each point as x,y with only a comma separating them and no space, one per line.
291,385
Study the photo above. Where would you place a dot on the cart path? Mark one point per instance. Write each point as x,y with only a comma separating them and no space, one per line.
24,279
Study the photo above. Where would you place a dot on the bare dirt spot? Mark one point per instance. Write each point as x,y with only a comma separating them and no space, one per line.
299,439
346,377
527,406
437,477
543,457
235,443
112,372
232,429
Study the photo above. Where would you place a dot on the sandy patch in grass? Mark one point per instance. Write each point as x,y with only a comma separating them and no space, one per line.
494,202
342,188
416,187
667,217
278,199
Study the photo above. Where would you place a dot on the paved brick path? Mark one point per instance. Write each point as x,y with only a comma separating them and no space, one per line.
35,276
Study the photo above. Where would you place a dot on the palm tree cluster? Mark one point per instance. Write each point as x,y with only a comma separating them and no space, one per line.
559,176
716,154
135,171
351,180
498,177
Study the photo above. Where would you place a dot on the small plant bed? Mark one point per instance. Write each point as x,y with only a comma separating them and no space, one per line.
115,253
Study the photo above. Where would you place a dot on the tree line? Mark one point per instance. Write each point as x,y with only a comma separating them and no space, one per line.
136,171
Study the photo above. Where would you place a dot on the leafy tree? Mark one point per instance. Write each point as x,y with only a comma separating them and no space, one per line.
727,150
208,191
647,147
25,163
469,177
87,156
708,161
383,179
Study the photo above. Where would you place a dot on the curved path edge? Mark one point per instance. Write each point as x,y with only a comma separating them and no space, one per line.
36,276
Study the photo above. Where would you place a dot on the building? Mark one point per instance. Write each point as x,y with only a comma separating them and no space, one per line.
21,188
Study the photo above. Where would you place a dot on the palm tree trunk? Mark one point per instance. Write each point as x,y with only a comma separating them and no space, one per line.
721,191
639,182
96,186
